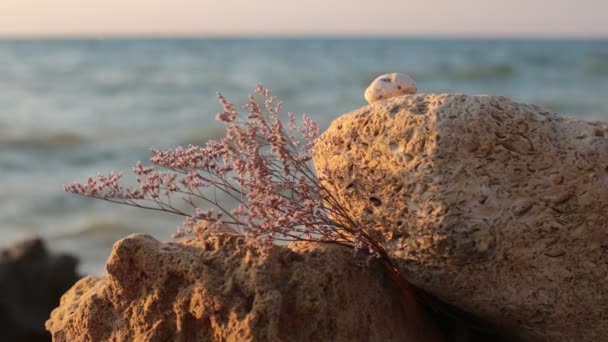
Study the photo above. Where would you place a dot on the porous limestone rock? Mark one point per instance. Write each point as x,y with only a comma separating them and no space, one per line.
216,289
496,207
390,85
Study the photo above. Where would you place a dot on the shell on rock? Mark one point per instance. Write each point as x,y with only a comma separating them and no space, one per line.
390,85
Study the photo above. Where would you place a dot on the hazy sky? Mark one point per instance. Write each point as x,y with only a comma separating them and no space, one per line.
558,18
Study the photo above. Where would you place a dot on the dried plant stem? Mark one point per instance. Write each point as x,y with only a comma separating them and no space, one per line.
261,166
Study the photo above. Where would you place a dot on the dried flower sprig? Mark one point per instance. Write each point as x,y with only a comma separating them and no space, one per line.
261,165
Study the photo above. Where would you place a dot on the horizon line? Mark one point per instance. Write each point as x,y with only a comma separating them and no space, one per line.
296,36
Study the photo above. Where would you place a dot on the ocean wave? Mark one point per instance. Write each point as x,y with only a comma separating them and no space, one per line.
597,66
214,132
480,72
41,141
89,157
537,59
98,229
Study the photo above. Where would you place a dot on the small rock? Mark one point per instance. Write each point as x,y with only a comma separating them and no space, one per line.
390,85
31,283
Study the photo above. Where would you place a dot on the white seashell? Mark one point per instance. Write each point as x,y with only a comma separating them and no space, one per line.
390,85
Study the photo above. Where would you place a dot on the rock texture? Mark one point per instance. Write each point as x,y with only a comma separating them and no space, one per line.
496,207
216,289
31,282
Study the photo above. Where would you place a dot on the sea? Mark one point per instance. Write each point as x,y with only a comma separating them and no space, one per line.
72,108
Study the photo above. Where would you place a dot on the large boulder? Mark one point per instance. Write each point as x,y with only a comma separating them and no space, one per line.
32,281
496,207
217,288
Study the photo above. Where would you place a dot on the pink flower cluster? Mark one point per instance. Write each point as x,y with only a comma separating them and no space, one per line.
260,165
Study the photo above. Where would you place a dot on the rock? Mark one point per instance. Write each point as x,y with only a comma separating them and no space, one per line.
495,207
390,85
216,288
31,282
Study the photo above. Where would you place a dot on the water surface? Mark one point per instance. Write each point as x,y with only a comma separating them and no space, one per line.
71,108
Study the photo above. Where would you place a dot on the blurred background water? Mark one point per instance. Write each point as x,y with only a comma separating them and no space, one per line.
72,108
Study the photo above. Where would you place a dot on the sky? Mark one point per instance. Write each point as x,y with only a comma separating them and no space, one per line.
462,18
